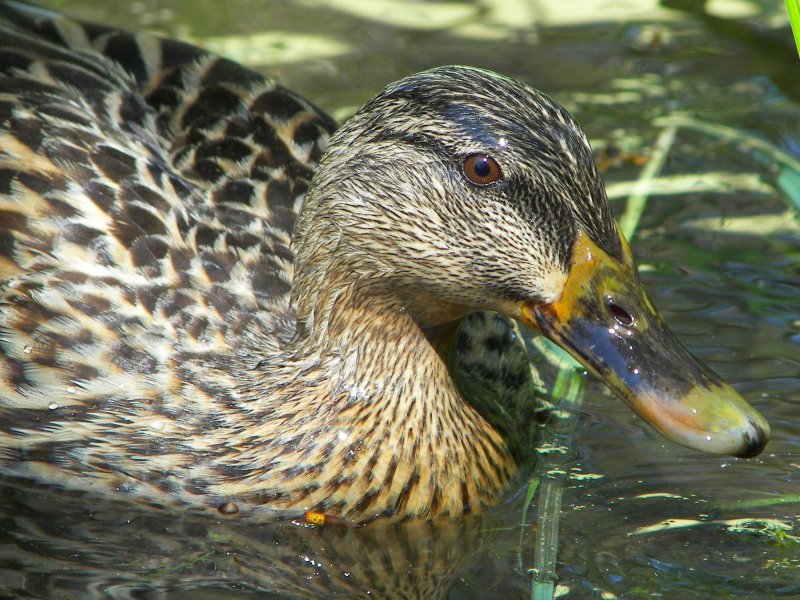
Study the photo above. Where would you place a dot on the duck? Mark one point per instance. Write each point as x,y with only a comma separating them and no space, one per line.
212,296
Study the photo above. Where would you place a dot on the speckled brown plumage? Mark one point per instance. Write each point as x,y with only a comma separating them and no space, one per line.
159,335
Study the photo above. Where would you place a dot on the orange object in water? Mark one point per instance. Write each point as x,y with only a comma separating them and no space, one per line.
316,518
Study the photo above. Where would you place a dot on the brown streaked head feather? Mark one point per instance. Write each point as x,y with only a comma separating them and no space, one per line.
503,242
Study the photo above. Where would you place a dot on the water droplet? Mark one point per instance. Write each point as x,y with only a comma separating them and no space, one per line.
71,389
52,406
27,349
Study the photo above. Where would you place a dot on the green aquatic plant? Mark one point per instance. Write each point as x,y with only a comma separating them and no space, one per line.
793,6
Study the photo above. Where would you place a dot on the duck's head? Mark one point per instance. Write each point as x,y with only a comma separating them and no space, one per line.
458,189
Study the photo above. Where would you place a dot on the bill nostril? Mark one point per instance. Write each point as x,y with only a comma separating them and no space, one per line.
621,316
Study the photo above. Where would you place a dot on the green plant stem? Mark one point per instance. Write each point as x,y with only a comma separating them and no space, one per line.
729,133
637,201
793,6
759,503
550,471
788,166
544,568
695,183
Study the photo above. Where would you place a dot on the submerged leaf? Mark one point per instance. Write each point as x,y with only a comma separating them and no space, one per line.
789,182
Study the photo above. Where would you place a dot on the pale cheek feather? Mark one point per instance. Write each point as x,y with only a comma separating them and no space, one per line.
551,284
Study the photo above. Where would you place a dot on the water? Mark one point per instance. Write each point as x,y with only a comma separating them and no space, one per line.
720,256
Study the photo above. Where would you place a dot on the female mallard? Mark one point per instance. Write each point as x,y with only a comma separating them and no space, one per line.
159,337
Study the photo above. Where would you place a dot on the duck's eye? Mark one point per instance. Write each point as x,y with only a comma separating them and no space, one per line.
482,169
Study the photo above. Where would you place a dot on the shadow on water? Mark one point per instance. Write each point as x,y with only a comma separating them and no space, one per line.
721,256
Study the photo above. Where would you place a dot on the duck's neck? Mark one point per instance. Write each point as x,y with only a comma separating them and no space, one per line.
373,422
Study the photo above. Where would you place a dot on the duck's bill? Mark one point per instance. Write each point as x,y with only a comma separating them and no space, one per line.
605,320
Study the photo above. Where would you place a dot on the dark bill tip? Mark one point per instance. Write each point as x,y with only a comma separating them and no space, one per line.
755,441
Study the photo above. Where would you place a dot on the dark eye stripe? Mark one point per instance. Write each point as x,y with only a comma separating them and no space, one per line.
481,169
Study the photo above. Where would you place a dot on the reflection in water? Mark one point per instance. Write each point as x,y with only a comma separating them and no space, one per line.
67,545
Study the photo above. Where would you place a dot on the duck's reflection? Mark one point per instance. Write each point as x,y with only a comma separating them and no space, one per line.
56,544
